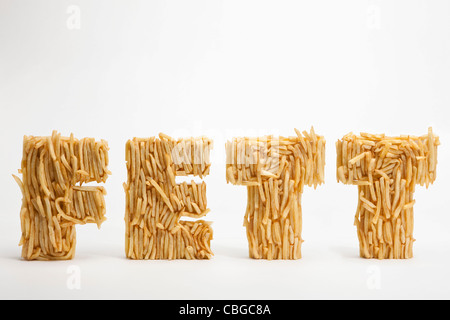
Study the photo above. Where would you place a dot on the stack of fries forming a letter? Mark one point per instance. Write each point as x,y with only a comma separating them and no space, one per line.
274,170
52,201
386,171
155,202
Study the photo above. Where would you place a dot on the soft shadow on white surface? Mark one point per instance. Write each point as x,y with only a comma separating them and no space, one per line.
346,252
230,251
323,273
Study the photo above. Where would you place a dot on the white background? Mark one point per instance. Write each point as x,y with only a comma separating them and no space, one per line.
121,69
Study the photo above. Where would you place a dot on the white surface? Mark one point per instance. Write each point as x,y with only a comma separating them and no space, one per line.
223,69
